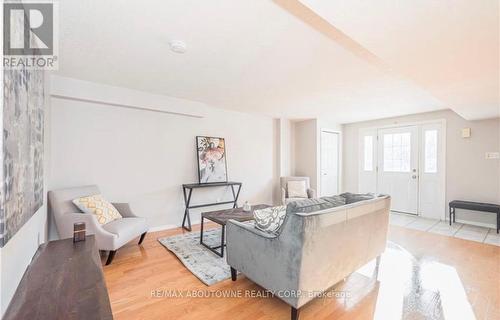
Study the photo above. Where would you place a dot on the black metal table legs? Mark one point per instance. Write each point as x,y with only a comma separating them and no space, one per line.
222,240
187,200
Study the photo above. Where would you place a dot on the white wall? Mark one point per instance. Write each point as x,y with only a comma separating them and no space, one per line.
306,150
287,147
469,176
143,157
284,164
16,255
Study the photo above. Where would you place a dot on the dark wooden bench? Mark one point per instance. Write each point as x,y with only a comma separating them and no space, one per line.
475,206
64,281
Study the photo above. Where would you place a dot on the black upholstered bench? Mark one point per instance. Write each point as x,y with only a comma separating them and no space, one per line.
475,206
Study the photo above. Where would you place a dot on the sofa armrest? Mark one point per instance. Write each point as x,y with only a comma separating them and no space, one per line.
283,196
92,226
242,228
248,247
124,209
311,193
266,259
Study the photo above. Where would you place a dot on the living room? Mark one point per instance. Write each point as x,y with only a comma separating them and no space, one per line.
250,160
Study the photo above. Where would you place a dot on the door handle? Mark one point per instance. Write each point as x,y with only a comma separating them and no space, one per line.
414,176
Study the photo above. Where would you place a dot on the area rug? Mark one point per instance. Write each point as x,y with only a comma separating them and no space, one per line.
203,263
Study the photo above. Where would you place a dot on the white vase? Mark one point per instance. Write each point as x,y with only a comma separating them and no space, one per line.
246,206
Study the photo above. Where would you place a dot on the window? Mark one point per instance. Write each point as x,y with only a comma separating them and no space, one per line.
368,150
397,152
430,152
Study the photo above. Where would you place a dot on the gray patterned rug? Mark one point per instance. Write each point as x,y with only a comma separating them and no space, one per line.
203,263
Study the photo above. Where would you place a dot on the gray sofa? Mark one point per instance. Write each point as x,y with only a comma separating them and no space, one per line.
319,243
109,237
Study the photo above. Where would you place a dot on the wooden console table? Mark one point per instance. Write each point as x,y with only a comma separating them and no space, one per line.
191,186
64,281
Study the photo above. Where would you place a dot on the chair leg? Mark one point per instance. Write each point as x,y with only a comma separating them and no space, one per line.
111,256
295,314
234,274
142,237
377,266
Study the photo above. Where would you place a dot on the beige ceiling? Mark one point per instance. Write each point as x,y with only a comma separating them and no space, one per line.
448,47
263,57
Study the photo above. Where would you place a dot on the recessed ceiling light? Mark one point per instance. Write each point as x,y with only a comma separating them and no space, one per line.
177,46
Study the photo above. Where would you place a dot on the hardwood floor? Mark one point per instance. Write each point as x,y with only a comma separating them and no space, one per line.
421,276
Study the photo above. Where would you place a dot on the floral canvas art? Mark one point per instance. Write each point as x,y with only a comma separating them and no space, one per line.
211,159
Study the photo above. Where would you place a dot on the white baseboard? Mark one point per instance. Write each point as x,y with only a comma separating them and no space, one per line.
163,227
170,226
479,224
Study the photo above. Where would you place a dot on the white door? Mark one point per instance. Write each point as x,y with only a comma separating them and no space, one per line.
398,167
329,163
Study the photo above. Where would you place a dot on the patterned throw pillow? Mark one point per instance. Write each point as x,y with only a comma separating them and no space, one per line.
105,212
269,219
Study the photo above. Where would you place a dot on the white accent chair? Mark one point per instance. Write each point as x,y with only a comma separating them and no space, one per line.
110,236
285,199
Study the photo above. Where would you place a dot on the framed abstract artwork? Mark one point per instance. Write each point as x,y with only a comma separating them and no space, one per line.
212,166
21,188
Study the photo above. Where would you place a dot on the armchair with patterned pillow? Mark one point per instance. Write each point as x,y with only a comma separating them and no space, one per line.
113,224
295,188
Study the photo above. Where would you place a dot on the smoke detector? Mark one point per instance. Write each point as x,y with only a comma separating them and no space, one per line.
177,46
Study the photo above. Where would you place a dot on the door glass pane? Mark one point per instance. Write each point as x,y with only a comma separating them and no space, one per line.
397,152
430,153
368,150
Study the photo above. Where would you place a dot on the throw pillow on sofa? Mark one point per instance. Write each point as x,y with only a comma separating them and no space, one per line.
297,189
104,211
269,219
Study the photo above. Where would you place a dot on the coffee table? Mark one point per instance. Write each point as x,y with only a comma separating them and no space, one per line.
221,217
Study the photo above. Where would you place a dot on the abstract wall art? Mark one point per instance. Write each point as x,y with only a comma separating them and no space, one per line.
21,190
211,159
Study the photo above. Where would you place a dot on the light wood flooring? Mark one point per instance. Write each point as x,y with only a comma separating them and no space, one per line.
421,276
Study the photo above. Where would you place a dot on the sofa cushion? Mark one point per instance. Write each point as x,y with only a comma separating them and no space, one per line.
337,201
356,197
290,200
269,219
104,211
309,206
297,189
127,228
